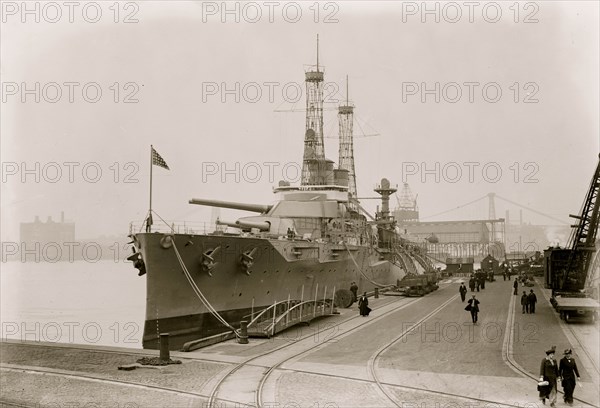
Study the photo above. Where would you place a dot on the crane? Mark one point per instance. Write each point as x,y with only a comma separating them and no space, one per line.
568,270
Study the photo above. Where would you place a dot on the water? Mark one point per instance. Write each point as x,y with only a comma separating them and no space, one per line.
79,302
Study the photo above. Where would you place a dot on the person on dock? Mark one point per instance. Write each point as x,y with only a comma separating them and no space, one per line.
463,291
516,286
354,290
532,298
549,373
567,370
363,305
525,302
473,307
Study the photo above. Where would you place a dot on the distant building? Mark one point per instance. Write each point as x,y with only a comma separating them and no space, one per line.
459,265
468,238
47,232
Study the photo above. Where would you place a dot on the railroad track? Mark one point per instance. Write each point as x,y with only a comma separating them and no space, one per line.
202,397
258,399
372,364
584,348
289,354
507,351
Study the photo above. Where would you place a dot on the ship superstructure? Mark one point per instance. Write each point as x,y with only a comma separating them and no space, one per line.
311,244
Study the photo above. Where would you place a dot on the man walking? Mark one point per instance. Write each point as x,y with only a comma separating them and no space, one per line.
568,371
463,291
549,373
532,298
525,302
473,307
472,284
516,286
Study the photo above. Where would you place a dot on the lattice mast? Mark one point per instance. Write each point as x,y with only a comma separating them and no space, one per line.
314,150
407,200
346,132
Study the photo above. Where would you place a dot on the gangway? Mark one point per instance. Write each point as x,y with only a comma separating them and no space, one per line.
282,315
424,262
406,262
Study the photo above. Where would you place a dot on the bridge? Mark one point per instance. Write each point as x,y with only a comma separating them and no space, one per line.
477,237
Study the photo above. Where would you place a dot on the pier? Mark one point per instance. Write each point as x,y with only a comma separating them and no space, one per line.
421,351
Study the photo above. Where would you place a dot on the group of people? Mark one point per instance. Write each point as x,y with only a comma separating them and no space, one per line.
477,281
551,373
528,301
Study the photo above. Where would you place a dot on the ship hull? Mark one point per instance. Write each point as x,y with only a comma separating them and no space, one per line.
281,269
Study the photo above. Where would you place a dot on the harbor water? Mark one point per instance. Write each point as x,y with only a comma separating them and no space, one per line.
89,303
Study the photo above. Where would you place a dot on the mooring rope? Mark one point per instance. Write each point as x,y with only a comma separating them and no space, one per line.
199,293
360,269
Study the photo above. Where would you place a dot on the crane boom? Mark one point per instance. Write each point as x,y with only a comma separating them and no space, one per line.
583,239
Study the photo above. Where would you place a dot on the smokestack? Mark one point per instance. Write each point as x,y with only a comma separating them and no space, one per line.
37,218
507,217
62,216
520,217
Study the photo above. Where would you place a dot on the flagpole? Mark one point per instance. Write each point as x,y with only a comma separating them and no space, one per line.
150,211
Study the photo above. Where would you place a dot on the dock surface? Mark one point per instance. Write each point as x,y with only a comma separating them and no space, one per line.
410,352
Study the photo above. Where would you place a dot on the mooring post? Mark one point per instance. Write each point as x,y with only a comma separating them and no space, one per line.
164,347
376,293
243,338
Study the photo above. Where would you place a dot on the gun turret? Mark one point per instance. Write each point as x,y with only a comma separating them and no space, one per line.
259,208
244,224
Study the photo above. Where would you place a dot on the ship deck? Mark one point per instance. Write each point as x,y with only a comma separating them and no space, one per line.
421,351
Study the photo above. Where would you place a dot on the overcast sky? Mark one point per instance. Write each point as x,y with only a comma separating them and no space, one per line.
183,64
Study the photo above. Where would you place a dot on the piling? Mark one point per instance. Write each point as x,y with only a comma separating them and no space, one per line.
243,337
164,347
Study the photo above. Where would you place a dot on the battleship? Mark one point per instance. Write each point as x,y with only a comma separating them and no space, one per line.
313,243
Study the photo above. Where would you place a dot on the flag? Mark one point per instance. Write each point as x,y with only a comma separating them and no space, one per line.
157,160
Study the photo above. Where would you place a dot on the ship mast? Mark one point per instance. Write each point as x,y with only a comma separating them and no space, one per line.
314,150
346,156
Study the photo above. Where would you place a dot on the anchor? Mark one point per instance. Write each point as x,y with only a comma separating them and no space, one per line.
247,260
208,260
138,262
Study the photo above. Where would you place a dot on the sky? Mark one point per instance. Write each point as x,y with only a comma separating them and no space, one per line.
457,100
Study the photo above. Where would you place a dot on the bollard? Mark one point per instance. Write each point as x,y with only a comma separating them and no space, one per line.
164,347
376,293
243,338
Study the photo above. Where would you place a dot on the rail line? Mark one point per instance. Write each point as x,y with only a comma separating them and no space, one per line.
584,348
196,395
271,369
507,351
212,398
372,361
371,367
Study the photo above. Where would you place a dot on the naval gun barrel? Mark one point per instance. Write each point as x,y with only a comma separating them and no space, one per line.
244,224
259,208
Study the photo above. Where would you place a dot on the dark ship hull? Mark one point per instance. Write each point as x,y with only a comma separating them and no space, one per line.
310,245
281,269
